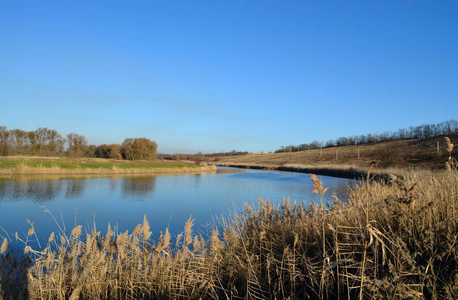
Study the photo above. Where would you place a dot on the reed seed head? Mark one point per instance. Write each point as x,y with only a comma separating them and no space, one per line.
145,229
4,246
247,208
316,182
188,231
336,199
449,145
216,243
31,231
167,238
51,237
76,232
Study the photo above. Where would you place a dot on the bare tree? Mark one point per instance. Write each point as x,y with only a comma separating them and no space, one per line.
77,144
19,140
4,141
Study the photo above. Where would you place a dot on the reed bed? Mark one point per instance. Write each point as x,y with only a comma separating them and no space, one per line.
390,240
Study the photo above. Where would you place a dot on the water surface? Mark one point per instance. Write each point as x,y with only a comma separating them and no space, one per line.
166,200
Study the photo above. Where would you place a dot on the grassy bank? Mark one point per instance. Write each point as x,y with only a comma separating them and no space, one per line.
42,165
394,240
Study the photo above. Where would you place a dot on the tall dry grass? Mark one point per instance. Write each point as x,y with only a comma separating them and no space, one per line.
390,240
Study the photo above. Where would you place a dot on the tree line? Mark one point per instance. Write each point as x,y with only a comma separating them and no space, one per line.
413,132
49,142
200,155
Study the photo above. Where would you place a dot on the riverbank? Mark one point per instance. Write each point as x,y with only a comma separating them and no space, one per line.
24,165
343,171
340,171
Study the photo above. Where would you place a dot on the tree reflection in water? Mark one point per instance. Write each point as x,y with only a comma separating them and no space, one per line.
138,186
75,188
37,190
48,188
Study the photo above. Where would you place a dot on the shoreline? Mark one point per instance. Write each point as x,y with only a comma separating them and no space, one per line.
345,171
60,171
58,166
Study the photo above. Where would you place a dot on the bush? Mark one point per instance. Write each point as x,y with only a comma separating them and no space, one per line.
139,148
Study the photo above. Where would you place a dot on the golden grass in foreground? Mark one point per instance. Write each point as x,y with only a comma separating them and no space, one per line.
395,240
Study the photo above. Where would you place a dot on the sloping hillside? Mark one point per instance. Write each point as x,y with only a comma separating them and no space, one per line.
401,153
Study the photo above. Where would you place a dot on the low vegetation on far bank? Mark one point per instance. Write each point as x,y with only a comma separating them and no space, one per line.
45,165
389,240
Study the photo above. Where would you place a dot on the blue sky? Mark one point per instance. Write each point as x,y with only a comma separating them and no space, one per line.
215,76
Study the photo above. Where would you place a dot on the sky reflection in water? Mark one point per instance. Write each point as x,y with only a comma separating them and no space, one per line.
166,200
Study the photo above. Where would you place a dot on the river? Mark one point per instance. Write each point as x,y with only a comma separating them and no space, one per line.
56,204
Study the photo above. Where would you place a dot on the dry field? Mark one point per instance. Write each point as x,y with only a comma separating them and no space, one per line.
401,154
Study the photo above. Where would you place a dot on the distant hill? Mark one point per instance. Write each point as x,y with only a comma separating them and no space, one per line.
399,153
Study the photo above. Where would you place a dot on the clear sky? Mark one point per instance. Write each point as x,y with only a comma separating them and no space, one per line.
215,76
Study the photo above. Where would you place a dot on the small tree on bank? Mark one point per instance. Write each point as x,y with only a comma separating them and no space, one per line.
108,151
139,148
19,140
77,145
4,137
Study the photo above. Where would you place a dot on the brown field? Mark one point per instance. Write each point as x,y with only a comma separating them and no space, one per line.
418,154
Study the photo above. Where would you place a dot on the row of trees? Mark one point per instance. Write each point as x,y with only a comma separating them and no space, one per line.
200,156
413,132
230,153
44,141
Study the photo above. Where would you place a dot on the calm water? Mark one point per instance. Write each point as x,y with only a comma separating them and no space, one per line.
166,200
